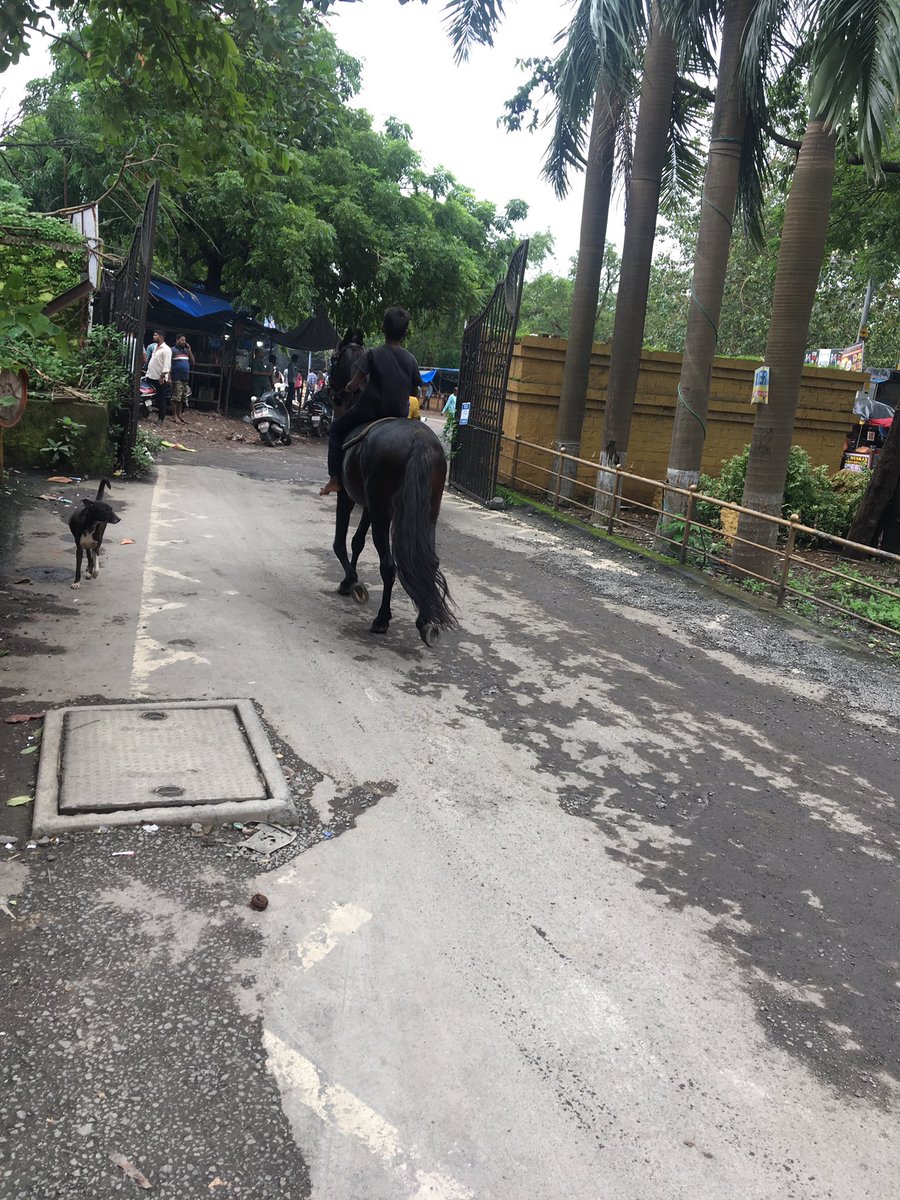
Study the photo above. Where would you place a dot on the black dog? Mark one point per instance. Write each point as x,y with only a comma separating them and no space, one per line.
88,525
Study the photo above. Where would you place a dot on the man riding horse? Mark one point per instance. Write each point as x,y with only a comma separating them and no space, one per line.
393,376
395,470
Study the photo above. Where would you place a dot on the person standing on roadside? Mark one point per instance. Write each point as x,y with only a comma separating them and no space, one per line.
293,370
261,380
450,406
159,372
312,380
182,361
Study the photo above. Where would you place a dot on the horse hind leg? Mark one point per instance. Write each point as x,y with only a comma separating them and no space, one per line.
341,526
359,591
382,540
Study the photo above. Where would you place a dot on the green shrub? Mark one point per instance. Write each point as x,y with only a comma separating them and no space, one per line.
853,593
62,447
146,446
826,502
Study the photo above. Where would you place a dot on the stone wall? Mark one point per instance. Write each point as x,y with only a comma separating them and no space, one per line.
22,444
532,403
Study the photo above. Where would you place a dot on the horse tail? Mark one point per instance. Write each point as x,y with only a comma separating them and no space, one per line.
415,556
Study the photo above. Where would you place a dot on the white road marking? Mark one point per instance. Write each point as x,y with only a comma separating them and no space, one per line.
344,921
333,1104
149,654
170,574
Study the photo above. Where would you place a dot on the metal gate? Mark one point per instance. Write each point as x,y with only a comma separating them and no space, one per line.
123,304
483,375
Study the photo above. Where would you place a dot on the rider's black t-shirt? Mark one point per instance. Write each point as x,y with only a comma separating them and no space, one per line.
393,377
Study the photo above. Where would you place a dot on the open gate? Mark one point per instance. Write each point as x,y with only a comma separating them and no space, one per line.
123,304
483,375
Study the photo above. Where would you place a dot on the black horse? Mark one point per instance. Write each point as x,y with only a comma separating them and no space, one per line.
396,471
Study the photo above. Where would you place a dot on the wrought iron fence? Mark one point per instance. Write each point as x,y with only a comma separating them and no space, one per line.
123,304
692,538
483,375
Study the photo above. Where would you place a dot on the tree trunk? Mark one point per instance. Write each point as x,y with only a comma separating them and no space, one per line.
710,258
215,267
641,211
799,264
586,289
876,516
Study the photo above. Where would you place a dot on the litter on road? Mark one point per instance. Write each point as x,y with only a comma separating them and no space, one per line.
131,1171
268,838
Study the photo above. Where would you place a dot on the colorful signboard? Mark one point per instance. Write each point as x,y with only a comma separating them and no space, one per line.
851,358
760,386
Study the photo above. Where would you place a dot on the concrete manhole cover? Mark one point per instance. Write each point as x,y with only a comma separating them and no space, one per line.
174,762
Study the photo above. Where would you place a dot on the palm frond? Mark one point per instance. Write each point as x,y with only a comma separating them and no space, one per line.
624,149
694,26
471,23
856,70
600,50
685,154
753,176
773,34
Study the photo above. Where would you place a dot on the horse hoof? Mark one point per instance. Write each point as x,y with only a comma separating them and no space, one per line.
360,594
344,589
431,635
379,627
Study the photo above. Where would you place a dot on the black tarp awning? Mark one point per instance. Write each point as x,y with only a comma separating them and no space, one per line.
170,305
315,333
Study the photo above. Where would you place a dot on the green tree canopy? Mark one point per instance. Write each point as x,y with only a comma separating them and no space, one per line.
347,217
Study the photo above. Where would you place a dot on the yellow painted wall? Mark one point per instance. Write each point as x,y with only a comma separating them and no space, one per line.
532,403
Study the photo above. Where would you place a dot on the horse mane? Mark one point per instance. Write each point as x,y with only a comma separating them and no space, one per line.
347,358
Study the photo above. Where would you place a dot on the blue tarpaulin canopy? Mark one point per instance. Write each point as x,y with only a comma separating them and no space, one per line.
429,374
195,304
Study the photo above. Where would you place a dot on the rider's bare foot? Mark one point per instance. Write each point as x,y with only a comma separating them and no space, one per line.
333,485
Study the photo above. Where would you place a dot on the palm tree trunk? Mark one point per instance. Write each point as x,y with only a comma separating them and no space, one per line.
586,290
710,258
642,209
799,263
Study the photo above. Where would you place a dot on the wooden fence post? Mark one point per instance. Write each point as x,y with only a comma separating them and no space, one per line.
688,515
788,552
614,503
559,474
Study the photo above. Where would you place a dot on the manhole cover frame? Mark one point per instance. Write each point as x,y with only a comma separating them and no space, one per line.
276,807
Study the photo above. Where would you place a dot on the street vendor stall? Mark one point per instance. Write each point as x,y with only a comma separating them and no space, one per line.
224,340
874,409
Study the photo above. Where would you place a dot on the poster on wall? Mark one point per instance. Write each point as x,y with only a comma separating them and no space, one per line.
760,386
851,358
825,358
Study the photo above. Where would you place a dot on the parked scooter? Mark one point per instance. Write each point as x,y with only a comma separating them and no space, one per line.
269,417
148,397
315,416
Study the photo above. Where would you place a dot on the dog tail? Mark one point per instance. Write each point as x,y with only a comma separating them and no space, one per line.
104,483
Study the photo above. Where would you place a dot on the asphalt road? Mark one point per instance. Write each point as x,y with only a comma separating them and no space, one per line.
598,899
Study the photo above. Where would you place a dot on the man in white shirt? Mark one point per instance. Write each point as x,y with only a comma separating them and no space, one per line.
159,372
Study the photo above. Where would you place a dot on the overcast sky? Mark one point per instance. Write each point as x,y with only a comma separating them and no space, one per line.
409,73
